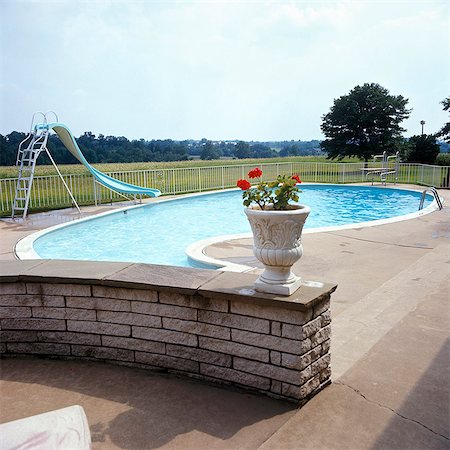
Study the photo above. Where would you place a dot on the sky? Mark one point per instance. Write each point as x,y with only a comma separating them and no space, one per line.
250,70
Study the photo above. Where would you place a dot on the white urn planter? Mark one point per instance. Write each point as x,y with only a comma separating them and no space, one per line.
277,244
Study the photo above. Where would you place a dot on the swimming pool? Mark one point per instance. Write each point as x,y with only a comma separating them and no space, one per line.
159,233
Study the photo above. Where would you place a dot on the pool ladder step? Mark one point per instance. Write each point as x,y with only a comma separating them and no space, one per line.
435,193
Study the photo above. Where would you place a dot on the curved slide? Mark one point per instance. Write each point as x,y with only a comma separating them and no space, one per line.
69,142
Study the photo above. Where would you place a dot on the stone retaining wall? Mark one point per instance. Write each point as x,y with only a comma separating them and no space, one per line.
231,335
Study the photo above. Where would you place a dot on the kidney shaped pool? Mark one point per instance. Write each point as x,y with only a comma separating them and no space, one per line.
158,233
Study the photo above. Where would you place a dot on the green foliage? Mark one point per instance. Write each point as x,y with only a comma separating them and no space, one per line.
364,123
443,159
242,150
275,194
209,151
445,130
422,149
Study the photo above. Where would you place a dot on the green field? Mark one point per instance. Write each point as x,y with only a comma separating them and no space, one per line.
75,169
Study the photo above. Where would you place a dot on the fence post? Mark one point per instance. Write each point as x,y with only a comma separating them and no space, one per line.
95,192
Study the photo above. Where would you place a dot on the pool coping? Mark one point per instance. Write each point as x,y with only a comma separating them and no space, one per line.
196,252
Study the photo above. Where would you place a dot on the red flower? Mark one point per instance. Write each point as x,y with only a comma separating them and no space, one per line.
244,185
255,173
296,178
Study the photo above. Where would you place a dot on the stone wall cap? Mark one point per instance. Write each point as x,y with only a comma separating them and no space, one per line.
239,287
207,283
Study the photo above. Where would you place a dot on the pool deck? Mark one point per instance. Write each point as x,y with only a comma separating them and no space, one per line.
390,357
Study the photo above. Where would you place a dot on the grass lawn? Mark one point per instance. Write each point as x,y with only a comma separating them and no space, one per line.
75,169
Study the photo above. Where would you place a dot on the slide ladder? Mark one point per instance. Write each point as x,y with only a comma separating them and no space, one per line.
36,142
28,153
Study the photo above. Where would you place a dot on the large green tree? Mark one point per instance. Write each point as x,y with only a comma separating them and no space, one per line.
445,130
364,123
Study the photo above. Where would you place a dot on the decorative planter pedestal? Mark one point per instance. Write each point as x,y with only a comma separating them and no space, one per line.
277,244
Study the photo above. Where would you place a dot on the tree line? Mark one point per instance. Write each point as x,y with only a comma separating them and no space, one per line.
112,149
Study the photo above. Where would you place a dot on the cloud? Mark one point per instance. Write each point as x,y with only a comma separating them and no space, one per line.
249,70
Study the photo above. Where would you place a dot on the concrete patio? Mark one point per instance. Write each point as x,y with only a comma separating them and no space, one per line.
390,357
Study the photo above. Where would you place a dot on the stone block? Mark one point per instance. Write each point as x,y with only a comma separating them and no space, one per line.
49,312
112,329
2,347
301,392
63,313
68,337
273,372
271,313
18,336
234,348
321,336
325,375
33,324
326,318
275,328
39,348
168,362
315,353
320,307
103,353
193,301
166,336
271,342
31,300
275,357
199,328
234,376
128,318
321,364
157,309
13,312
12,288
80,314
325,347
198,354
235,321
146,295
275,386
297,362
133,344
97,303
74,290
300,332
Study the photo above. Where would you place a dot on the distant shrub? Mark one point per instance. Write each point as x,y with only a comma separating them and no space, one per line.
443,159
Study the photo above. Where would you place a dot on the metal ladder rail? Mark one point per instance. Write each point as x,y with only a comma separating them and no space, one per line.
435,194
31,134
390,170
28,160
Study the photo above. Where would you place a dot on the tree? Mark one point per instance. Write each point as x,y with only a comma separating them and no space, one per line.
445,130
209,151
422,149
242,150
364,123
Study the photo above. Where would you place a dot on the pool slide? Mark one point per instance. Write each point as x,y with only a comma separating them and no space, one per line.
70,143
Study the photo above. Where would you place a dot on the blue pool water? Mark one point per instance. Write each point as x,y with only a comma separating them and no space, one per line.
159,233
